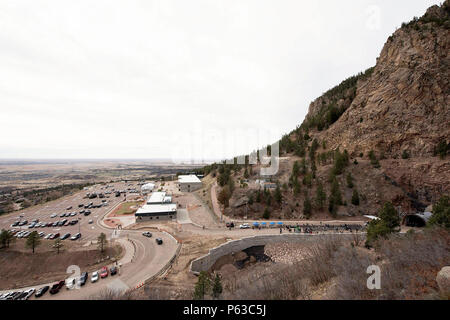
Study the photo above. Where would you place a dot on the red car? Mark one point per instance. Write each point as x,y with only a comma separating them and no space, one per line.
56,287
104,272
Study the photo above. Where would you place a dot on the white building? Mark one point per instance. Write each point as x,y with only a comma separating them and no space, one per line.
156,212
158,207
189,183
148,187
159,198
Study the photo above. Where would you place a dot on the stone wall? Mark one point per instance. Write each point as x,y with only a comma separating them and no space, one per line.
205,262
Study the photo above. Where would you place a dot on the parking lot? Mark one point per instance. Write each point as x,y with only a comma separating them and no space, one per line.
143,255
68,210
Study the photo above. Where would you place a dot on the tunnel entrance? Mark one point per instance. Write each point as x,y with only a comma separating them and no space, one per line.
414,221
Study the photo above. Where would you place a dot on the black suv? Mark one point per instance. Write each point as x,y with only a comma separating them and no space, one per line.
41,291
113,270
159,241
83,279
64,237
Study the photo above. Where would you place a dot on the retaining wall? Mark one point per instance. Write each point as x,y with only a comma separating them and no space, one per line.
205,262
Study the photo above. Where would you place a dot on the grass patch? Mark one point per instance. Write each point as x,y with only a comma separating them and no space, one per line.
128,208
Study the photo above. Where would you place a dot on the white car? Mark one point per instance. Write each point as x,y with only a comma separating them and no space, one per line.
91,221
94,276
41,234
29,293
70,283
53,215
48,236
244,226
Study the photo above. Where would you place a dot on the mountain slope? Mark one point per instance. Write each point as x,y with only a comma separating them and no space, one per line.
377,134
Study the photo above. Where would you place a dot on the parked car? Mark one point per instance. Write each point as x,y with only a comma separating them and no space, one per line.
244,226
26,234
113,270
31,225
49,236
76,236
16,295
65,236
83,278
35,220
40,292
70,283
147,234
104,272
230,224
53,215
94,276
91,221
159,241
24,222
41,234
56,287
28,293
21,296
68,208
62,215
55,235
80,205
15,224
87,212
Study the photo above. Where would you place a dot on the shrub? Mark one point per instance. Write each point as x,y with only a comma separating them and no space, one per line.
441,213
320,197
388,222
442,149
307,208
349,180
355,198
266,214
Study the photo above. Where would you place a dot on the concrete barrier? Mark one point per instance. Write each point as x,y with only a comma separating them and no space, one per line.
205,262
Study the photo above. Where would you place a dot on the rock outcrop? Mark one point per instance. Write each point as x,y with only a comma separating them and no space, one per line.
443,281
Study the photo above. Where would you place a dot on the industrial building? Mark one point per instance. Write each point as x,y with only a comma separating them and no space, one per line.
158,207
156,212
148,187
159,198
189,183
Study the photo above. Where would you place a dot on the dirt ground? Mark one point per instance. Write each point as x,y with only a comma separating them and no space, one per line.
45,265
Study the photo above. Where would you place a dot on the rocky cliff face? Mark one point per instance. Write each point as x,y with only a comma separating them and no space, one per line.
403,105
398,111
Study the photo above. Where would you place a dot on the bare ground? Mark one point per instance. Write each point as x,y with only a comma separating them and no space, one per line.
20,268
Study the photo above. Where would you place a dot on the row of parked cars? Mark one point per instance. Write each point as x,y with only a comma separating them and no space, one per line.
70,283
37,224
50,236
18,295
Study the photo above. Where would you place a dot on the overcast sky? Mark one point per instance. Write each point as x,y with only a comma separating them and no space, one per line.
176,79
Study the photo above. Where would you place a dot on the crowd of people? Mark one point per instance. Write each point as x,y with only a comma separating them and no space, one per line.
319,228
